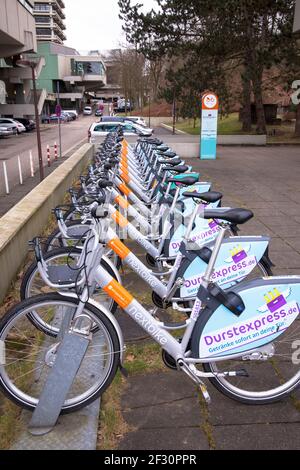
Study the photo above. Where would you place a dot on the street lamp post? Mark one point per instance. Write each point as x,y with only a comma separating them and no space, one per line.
32,65
149,111
174,113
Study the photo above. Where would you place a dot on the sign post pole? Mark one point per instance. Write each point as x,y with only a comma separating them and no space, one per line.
209,126
58,111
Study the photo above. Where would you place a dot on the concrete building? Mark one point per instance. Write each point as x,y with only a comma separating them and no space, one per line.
49,19
17,36
17,27
79,77
112,91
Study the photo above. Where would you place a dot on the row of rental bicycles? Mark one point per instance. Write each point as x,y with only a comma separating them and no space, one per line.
239,325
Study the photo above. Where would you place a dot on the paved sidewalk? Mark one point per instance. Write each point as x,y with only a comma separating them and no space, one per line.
163,408
19,191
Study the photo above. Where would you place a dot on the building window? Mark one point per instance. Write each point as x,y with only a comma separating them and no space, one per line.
42,7
42,19
43,32
88,68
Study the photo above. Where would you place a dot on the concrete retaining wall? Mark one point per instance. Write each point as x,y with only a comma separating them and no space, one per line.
183,146
157,121
29,217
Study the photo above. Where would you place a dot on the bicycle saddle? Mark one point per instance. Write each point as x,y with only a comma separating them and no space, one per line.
211,196
105,184
176,169
169,154
162,148
235,216
172,162
153,141
107,166
188,181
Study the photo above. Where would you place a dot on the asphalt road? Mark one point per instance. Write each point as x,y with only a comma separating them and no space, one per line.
10,148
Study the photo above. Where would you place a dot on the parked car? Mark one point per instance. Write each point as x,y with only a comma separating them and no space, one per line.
112,119
64,117
99,129
20,127
71,115
88,111
45,119
98,113
29,124
7,130
137,119
71,111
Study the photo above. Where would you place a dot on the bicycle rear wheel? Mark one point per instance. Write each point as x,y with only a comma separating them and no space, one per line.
268,379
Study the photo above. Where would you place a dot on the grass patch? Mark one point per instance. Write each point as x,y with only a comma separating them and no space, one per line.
112,424
230,125
206,426
9,423
226,126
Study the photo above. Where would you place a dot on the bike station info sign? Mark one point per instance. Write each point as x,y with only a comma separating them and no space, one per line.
209,126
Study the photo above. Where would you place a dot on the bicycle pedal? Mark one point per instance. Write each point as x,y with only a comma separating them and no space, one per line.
205,393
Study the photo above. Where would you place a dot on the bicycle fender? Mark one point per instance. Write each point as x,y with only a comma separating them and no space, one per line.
271,306
237,258
111,318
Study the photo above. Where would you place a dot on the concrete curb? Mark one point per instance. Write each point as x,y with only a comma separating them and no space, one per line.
76,431
170,128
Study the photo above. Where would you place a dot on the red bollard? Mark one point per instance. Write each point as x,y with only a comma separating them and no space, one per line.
55,152
48,156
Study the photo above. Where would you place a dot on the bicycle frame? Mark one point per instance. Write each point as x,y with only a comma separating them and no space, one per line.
156,329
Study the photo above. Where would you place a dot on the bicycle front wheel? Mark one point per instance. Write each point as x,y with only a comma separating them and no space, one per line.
28,354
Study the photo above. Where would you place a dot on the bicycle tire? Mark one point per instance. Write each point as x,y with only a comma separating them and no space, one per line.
33,270
20,310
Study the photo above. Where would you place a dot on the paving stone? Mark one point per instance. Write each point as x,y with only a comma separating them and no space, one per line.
182,413
157,388
258,437
224,411
279,221
294,242
290,208
287,232
278,244
286,259
175,438
263,212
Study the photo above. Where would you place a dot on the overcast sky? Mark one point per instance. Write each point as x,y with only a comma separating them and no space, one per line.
94,24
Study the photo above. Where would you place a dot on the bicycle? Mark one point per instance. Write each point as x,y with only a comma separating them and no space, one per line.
254,324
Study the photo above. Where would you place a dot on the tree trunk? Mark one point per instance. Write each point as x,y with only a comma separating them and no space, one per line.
297,128
260,111
246,111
